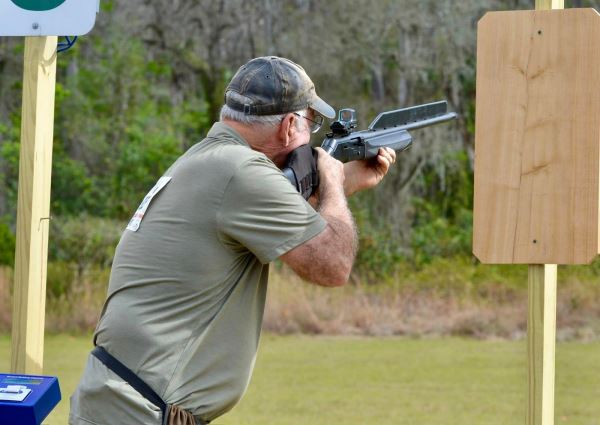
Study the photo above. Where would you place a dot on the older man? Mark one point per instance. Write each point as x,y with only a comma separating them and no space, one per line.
178,335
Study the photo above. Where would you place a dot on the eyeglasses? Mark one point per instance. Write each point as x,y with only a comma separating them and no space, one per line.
316,124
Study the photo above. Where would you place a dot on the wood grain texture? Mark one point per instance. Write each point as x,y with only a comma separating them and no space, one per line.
541,336
537,137
35,163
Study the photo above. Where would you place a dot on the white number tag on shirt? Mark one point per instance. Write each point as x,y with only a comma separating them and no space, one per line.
134,223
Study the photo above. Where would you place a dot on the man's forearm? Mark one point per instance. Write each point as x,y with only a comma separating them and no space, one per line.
350,185
327,258
334,209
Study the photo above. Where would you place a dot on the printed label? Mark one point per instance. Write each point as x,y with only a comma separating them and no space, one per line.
134,223
14,393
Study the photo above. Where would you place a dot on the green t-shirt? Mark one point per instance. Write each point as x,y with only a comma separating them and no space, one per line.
188,283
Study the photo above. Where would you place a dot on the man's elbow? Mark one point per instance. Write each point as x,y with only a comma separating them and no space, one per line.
338,282
335,277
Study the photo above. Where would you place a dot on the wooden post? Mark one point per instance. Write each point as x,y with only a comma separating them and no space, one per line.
549,4
537,161
541,335
37,126
541,323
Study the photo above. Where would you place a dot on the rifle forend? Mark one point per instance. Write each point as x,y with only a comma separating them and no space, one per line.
388,129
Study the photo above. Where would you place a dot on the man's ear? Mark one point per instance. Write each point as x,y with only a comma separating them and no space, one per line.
286,129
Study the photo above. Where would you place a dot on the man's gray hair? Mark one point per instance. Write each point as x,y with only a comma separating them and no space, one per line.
261,120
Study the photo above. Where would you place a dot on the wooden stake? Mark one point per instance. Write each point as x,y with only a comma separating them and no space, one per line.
541,330
37,126
541,323
549,4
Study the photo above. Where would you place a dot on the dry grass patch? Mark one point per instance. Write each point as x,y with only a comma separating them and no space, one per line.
450,299
486,310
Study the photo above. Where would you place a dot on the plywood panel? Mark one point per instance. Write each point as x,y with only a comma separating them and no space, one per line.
537,137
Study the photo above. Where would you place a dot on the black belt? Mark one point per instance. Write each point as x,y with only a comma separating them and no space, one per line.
132,379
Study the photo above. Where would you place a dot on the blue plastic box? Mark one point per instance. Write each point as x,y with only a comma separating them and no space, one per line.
27,399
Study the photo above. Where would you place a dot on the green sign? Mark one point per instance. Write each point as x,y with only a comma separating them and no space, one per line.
38,5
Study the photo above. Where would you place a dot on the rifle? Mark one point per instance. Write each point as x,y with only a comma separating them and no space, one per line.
388,129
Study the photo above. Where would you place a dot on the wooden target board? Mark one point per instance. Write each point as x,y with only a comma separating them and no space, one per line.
537,156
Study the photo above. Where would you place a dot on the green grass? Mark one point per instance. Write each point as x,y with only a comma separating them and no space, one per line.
318,380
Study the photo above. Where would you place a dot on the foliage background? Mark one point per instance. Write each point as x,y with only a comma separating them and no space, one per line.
147,83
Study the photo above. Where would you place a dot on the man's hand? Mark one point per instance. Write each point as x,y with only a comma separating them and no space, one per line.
331,177
331,172
327,258
360,175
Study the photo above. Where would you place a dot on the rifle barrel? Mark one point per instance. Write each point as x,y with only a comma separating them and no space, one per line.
429,121
426,122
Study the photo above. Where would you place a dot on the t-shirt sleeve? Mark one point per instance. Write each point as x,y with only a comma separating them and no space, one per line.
264,213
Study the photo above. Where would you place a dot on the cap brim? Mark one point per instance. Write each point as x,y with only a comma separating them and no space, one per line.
322,107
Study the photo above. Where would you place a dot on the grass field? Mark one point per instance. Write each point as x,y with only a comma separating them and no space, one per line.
319,380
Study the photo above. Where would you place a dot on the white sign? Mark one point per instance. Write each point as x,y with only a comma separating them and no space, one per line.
14,393
47,17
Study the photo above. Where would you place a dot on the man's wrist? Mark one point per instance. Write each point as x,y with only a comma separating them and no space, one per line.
331,190
351,185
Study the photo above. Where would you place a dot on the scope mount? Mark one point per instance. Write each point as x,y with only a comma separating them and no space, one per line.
345,124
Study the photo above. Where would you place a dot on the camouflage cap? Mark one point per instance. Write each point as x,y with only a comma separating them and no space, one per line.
272,85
